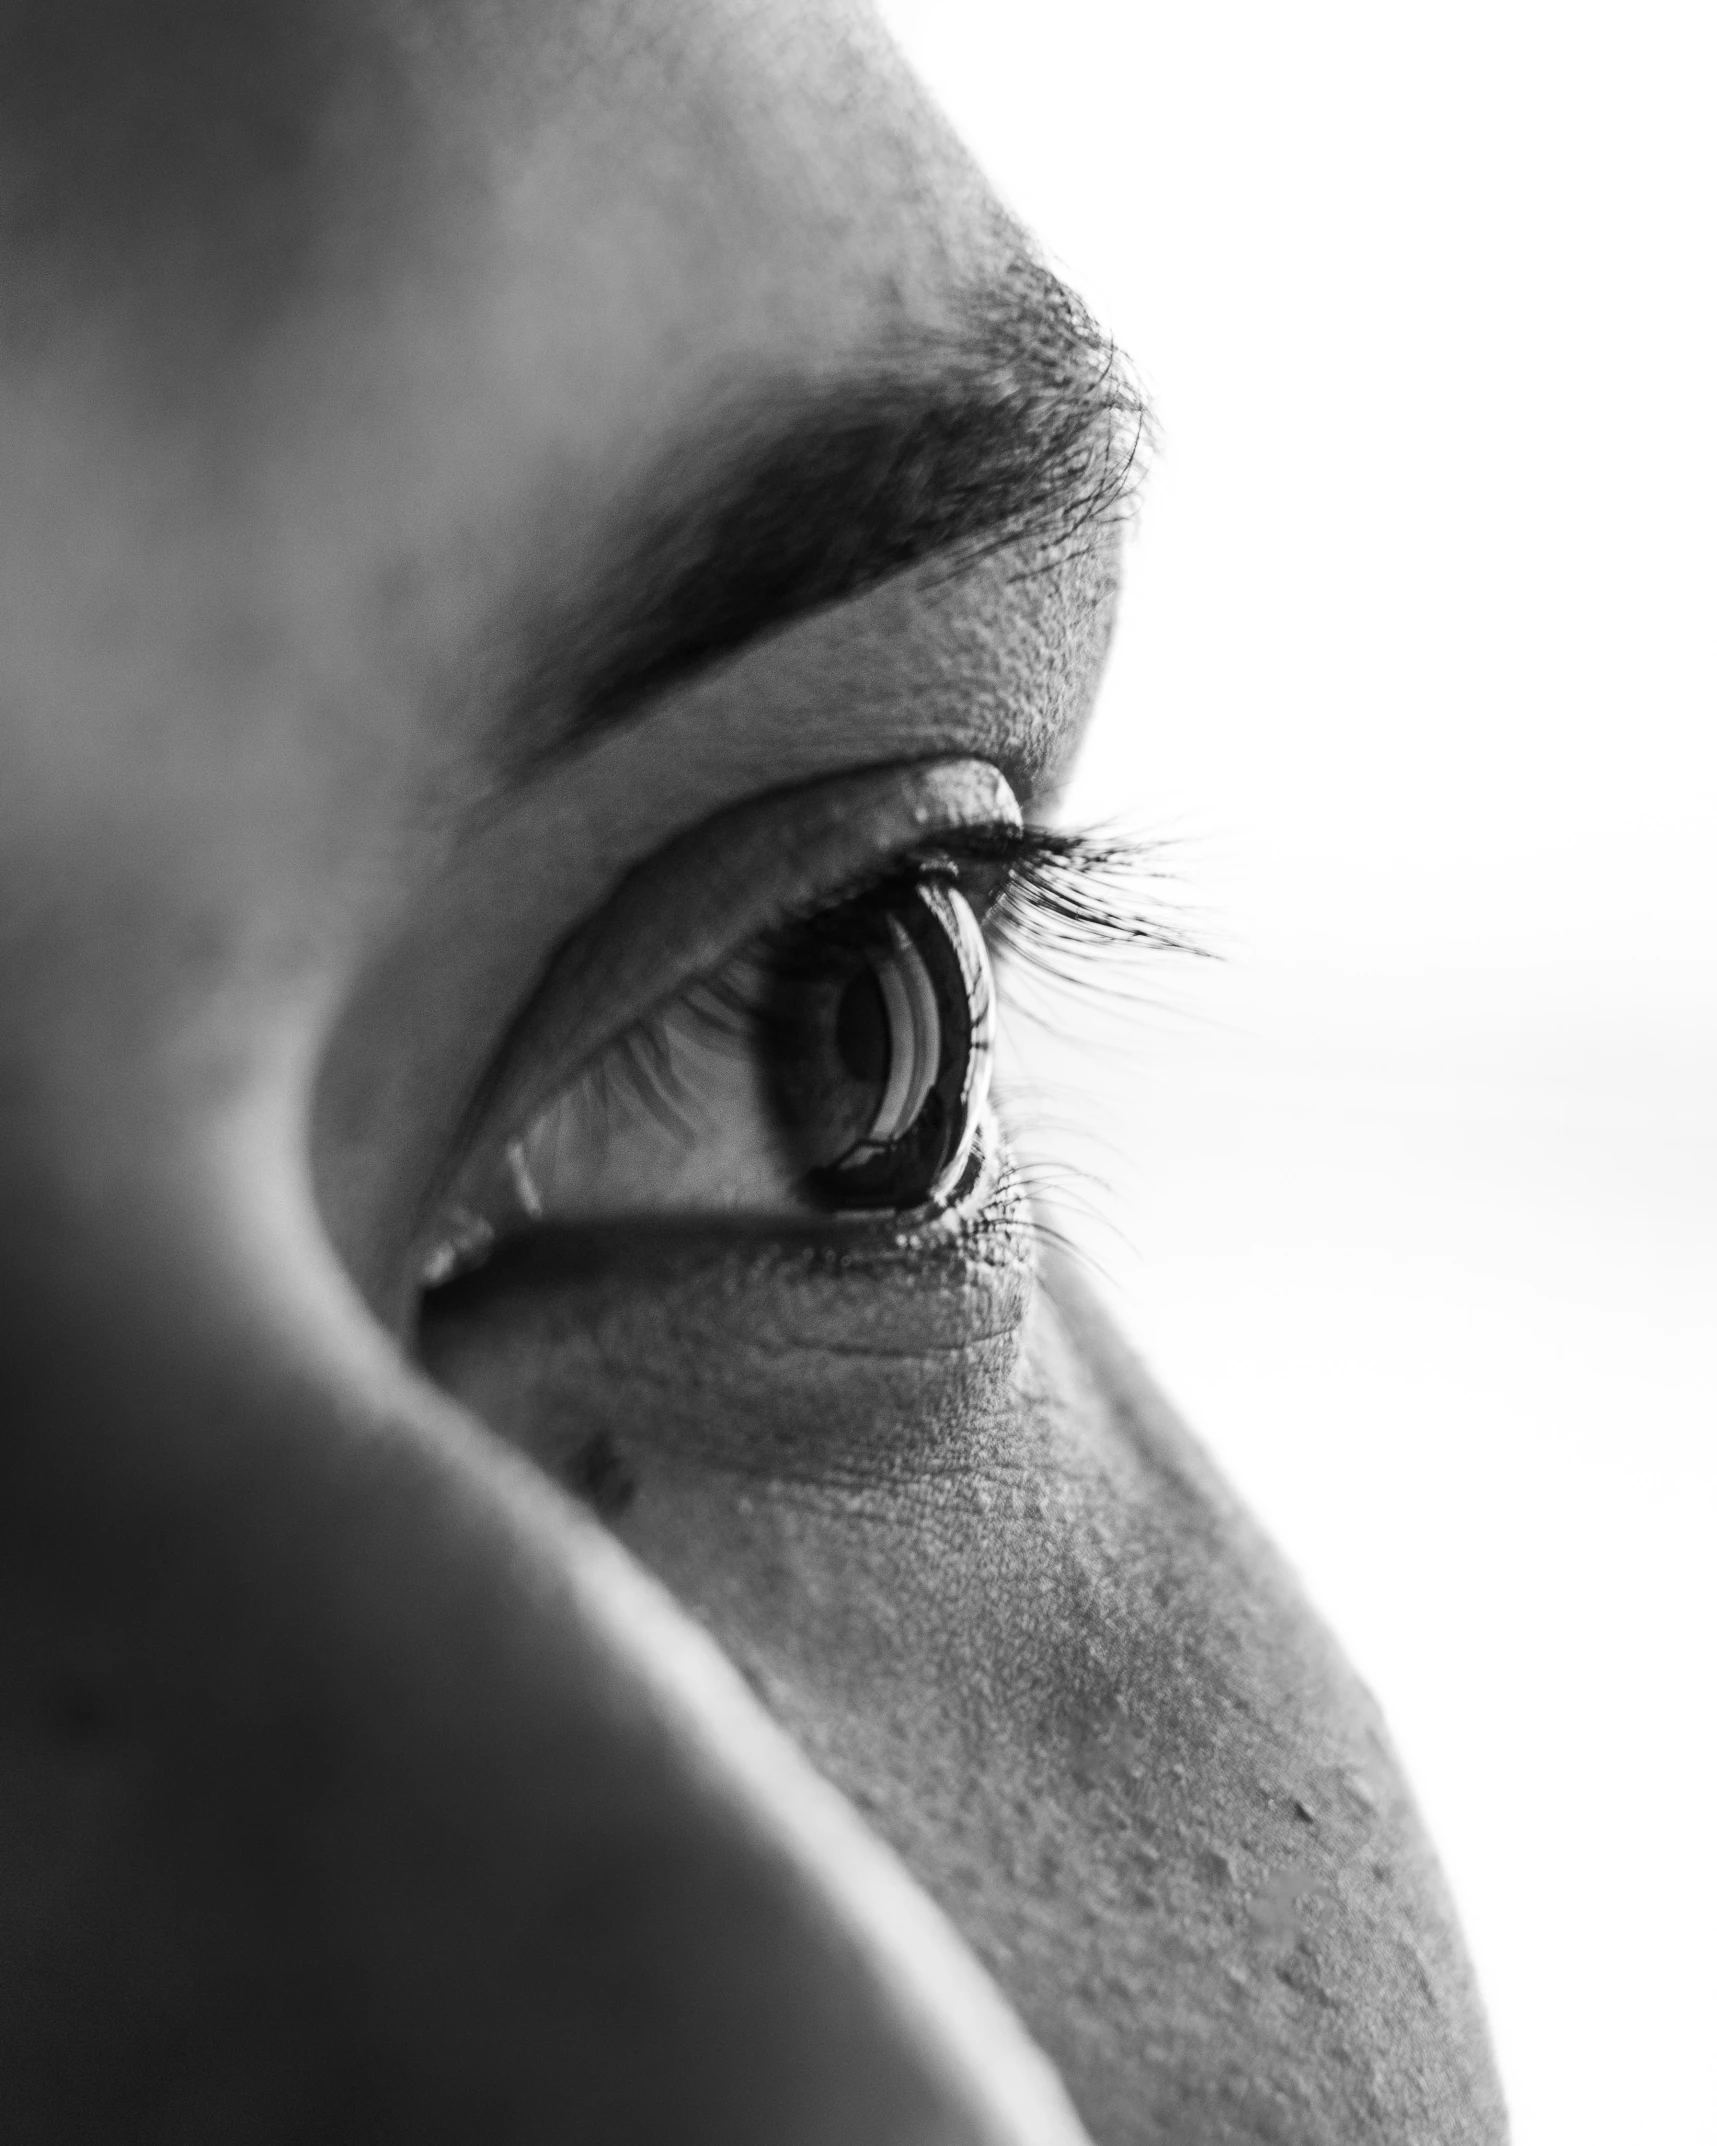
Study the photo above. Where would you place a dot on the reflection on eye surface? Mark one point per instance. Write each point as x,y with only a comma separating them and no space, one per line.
840,1064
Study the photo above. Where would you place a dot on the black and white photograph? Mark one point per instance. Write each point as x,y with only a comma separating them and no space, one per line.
858,1020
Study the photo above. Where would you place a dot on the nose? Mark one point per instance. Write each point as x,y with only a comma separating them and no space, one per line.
356,1786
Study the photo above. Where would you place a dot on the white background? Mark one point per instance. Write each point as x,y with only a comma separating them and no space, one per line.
1419,667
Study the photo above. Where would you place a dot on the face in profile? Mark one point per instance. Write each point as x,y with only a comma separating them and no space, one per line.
575,1567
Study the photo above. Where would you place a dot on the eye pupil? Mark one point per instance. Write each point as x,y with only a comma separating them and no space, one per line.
861,1028
878,1036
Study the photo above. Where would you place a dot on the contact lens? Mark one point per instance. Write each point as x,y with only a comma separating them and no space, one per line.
877,1022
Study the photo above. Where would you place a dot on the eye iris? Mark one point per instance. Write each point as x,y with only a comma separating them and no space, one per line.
878,1037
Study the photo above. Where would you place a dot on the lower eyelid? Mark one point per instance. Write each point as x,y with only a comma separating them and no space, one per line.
622,1306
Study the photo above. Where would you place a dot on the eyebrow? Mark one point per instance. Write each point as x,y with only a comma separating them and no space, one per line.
1019,426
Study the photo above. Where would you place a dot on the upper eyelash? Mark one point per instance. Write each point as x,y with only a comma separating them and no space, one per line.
1056,901
1063,897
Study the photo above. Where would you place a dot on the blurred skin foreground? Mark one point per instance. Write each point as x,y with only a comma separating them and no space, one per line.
537,1608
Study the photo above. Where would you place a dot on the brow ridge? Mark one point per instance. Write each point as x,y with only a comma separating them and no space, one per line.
1019,427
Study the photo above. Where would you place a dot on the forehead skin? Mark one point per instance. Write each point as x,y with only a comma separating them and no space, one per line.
338,340
217,171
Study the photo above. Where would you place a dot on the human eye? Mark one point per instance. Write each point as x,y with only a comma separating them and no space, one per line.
812,1043
837,1065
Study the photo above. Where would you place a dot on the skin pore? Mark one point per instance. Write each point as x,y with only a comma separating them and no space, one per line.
679,1680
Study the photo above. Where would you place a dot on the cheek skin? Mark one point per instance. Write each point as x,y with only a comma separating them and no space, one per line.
968,1557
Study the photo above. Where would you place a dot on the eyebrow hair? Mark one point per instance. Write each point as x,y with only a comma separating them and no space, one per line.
1020,425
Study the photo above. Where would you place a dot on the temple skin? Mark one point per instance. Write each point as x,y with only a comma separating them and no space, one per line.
679,1688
